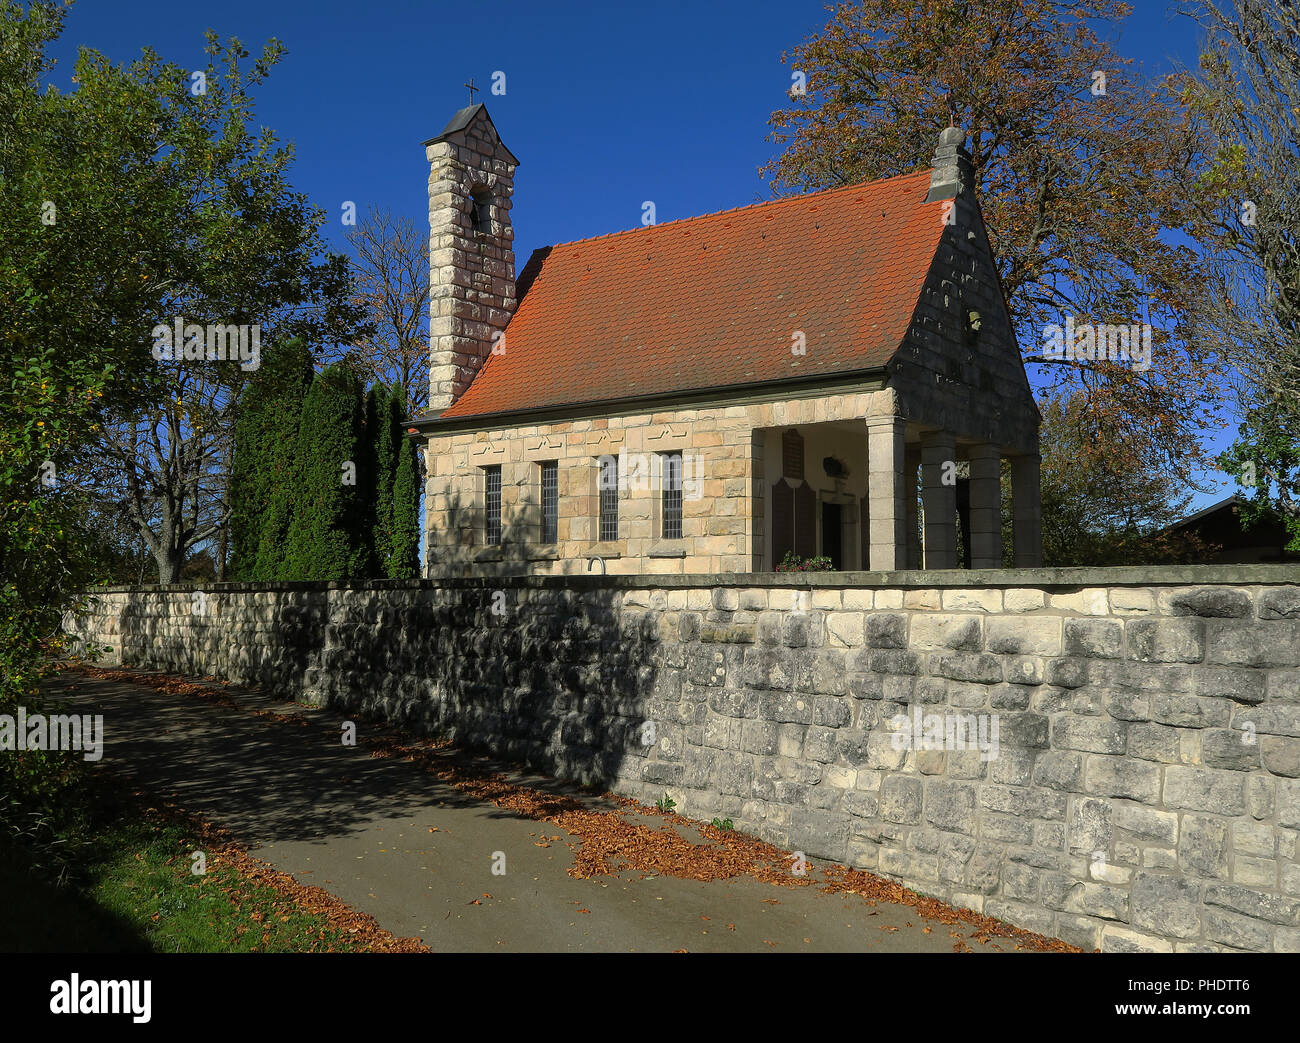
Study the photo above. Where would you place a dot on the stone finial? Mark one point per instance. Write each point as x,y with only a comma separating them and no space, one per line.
952,174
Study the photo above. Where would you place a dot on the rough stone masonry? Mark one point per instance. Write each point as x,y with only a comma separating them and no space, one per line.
1144,795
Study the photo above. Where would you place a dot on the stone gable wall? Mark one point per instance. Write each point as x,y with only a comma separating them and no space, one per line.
1145,793
973,386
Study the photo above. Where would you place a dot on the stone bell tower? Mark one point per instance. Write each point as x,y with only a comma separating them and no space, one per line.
471,250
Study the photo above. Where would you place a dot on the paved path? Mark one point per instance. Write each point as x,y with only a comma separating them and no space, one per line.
360,827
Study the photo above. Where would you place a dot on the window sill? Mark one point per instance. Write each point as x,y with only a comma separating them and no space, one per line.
666,549
542,553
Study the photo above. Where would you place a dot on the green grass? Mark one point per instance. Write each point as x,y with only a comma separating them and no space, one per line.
132,891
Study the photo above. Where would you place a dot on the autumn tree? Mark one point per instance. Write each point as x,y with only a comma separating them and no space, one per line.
1248,90
390,275
1083,170
1093,515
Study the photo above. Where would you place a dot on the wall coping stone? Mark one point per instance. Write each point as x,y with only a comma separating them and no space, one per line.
1060,580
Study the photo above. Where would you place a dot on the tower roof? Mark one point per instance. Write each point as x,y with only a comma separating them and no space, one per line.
460,122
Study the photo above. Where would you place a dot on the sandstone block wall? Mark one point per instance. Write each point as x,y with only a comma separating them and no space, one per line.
722,507
1145,788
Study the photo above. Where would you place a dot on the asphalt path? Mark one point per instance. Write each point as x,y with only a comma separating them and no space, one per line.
418,854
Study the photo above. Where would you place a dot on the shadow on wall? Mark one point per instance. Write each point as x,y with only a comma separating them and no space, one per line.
560,677
461,548
557,674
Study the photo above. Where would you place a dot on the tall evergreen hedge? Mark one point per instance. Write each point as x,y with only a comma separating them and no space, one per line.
294,513
323,539
387,434
265,441
404,557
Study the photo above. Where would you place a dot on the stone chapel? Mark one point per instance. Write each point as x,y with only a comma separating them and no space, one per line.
831,374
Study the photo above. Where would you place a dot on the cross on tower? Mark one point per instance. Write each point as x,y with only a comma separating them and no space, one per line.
472,89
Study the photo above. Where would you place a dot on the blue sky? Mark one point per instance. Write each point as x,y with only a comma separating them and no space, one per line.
606,104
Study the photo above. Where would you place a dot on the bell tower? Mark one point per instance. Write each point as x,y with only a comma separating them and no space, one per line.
471,250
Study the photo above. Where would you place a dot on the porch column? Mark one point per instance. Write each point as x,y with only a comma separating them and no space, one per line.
912,463
886,500
985,507
939,461
1026,511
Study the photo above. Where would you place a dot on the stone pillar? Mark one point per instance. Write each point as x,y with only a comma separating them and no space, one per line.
1027,512
886,499
912,464
985,507
963,514
939,461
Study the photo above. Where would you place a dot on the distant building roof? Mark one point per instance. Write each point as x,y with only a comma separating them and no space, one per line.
1221,524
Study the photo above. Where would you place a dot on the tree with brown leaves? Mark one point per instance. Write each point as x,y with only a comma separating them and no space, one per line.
1084,172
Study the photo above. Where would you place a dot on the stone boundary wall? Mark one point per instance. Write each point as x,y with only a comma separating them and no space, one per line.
1145,793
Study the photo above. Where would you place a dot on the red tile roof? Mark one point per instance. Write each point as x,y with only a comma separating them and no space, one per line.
714,301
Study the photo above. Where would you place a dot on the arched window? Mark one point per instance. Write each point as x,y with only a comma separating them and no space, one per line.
792,455
805,521
782,521
480,210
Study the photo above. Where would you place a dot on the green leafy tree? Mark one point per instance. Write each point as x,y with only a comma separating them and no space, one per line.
1265,460
238,250
73,293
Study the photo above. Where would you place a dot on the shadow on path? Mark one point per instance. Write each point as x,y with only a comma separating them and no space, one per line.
419,855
